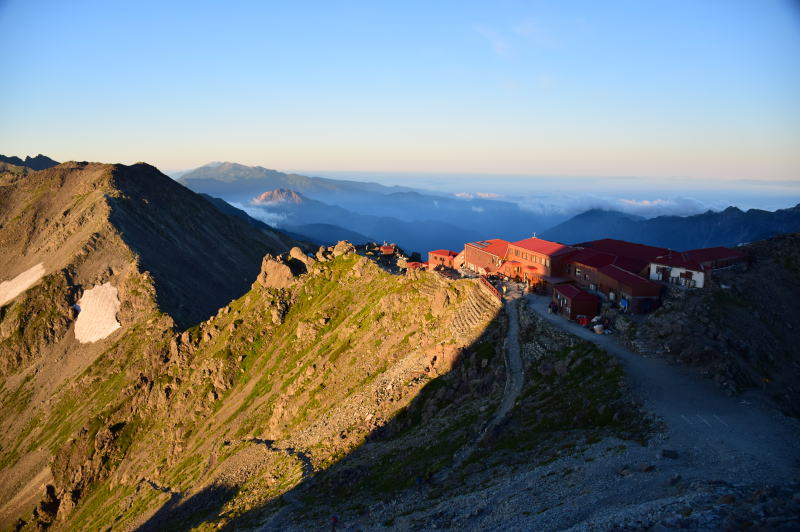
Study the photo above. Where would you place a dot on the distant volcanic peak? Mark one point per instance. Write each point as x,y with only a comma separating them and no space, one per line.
279,195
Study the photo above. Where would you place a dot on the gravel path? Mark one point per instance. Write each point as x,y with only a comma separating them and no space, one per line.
733,438
515,376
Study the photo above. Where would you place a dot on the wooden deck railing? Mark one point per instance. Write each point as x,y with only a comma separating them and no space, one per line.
485,282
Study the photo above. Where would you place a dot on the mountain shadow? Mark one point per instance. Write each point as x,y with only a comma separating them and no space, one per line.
199,257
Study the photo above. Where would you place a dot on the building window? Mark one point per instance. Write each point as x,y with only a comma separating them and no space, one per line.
547,263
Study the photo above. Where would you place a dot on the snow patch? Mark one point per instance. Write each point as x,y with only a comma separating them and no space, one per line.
98,314
11,289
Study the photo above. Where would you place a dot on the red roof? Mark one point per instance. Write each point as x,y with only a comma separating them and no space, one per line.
715,253
444,252
592,258
494,246
625,277
679,260
628,250
387,249
414,265
545,247
573,293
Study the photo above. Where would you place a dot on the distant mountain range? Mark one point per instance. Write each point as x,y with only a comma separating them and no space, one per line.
40,162
725,228
321,207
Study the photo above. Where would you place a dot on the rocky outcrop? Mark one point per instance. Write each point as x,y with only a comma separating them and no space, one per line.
342,248
298,254
276,272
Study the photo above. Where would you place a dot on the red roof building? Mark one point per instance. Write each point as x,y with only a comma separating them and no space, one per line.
387,249
442,257
636,257
631,291
692,269
485,256
535,259
572,302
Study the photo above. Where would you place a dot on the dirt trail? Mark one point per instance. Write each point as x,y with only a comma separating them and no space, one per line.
514,379
733,438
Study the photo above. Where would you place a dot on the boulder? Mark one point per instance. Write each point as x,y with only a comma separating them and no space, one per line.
275,273
342,248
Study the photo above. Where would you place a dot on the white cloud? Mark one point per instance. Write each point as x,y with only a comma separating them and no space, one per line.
648,208
488,195
260,213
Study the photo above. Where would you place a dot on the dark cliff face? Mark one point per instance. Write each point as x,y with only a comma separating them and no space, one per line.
199,257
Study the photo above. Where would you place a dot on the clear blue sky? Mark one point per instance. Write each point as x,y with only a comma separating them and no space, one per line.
692,89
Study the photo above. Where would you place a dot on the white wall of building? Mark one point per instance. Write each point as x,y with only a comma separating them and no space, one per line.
675,273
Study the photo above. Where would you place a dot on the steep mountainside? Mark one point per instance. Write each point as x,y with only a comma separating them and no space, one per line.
742,331
726,228
197,257
313,362
93,255
40,162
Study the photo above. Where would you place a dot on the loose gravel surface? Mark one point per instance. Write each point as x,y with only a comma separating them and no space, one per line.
732,438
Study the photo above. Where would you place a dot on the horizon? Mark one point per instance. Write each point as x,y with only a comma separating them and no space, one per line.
706,92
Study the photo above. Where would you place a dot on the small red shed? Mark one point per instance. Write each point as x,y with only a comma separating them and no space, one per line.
572,301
